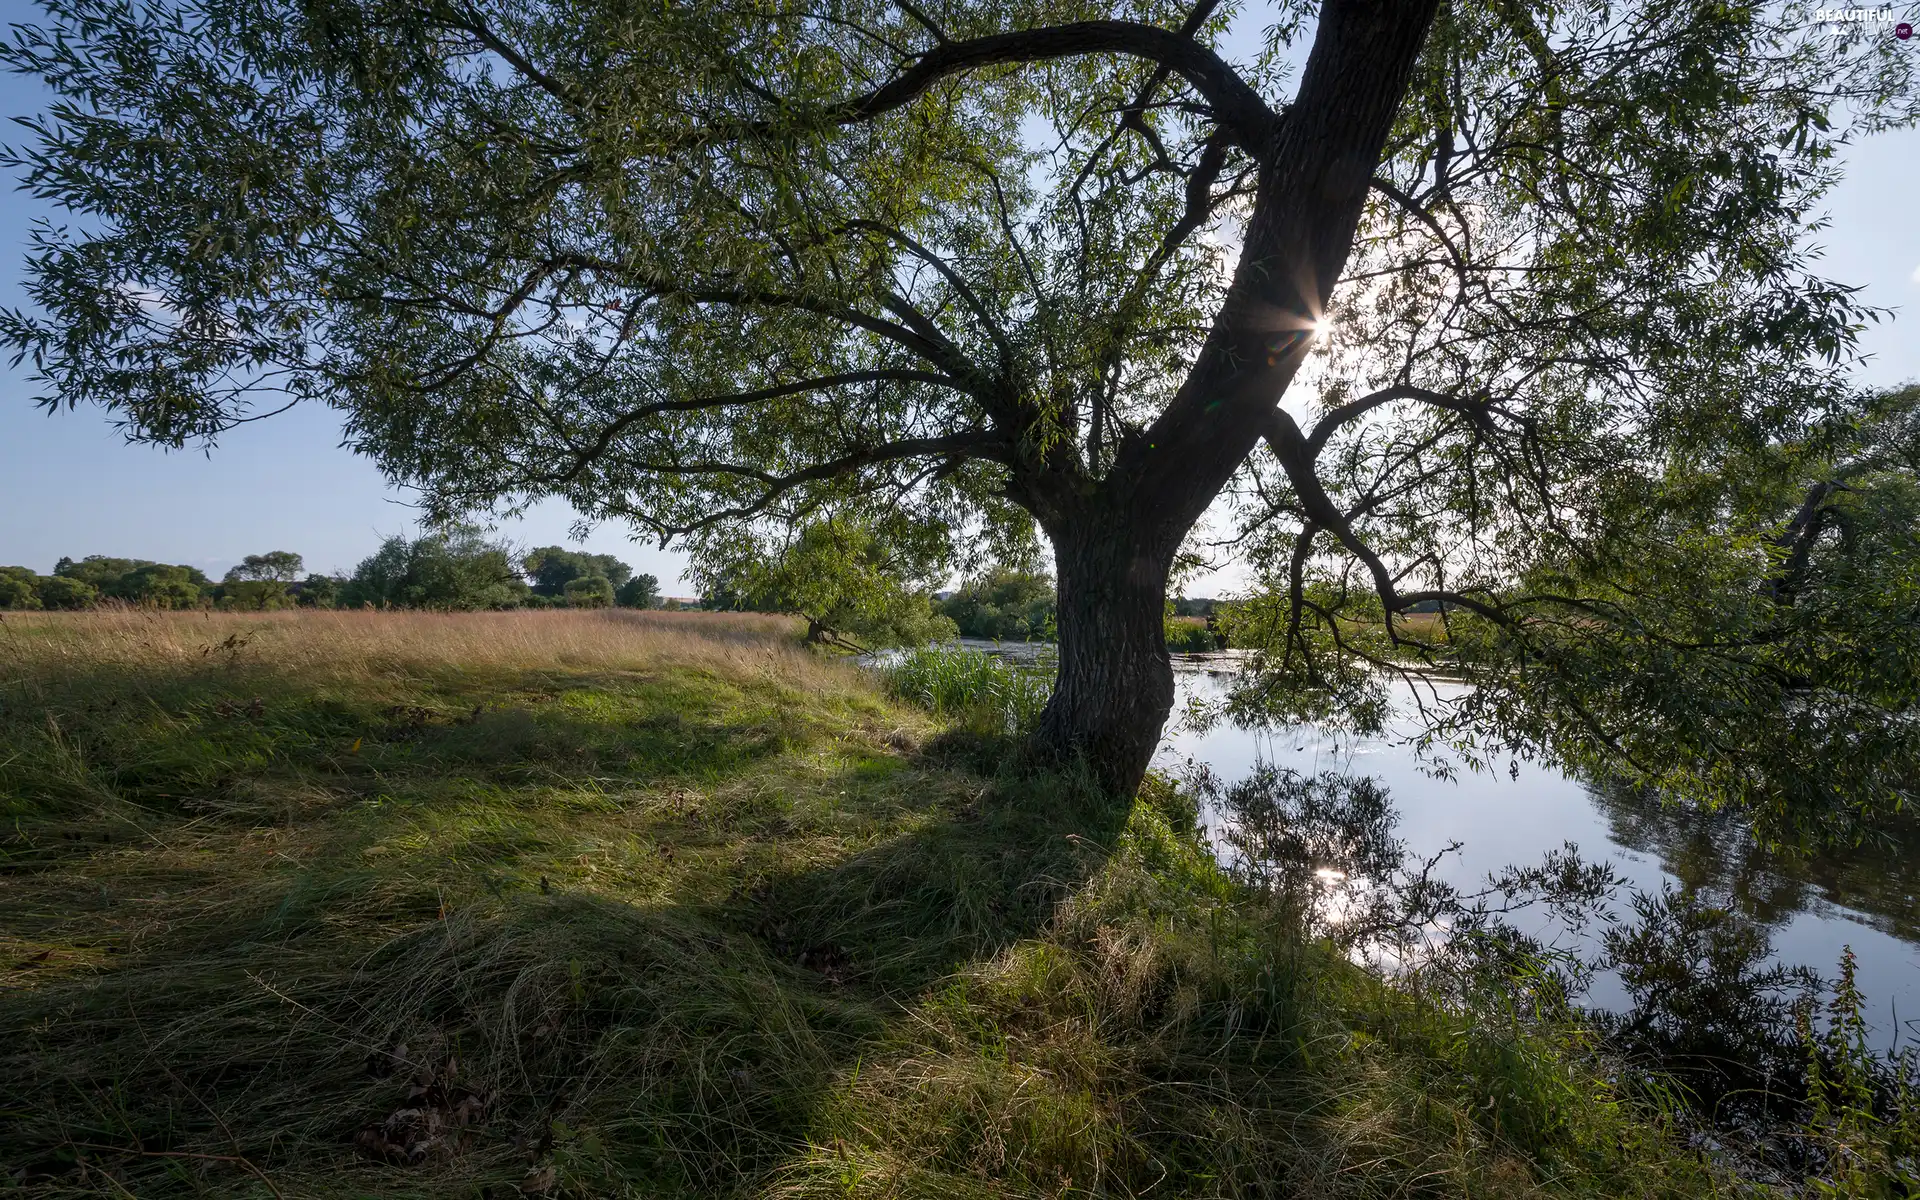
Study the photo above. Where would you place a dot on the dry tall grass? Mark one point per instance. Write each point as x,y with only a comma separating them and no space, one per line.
246,860
348,644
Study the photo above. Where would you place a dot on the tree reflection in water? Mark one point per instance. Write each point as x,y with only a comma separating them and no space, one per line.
1324,846
1877,879
1709,1016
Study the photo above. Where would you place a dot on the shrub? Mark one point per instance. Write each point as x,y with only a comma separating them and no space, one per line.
455,569
642,591
1863,1108
158,585
317,591
60,591
860,585
590,591
552,568
19,588
255,595
1190,635
1005,605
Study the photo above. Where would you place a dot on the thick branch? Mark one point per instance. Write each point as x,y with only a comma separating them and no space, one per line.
584,456
922,340
1290,447
974,443
1329,424
1312,191
954,279
1795,542
1236,105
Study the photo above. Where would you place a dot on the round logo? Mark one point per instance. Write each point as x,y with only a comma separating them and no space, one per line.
1903,31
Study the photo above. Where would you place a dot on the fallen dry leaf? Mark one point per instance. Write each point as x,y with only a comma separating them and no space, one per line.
434,1123
539,1181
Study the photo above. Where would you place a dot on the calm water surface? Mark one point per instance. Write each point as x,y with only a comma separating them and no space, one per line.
1812,907
1867,898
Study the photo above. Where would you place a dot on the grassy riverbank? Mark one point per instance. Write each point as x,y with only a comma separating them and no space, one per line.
632,904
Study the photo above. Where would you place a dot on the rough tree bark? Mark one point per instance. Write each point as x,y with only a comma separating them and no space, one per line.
1114,685
1114,548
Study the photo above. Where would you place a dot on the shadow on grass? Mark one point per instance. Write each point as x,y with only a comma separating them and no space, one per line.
399,982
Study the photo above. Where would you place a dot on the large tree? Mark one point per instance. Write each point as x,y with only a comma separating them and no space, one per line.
860,586
455,568
696,264
551,568
277,566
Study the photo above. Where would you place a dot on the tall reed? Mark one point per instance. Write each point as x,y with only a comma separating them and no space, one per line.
952,682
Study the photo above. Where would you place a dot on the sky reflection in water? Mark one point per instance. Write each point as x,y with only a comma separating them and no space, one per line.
1865,897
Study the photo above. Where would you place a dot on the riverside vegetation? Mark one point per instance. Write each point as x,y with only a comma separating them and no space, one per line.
632,903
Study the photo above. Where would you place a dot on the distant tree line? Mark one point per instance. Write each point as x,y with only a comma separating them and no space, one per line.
97,577
454,569
1011,605
843,579
1006,605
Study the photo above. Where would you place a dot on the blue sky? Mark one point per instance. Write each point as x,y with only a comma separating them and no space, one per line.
70,485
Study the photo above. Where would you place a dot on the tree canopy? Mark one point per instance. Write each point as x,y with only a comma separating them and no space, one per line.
589,591
100,570
282,566
1005,604
64,591
551,568
859,586
1524,273
457,568
134,580
317,591
18,588
641,591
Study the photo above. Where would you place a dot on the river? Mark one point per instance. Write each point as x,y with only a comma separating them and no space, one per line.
1868,898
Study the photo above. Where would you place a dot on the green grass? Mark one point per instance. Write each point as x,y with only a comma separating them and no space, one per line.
983,691
613,905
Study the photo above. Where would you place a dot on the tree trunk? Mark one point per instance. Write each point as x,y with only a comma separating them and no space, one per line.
1114,543
1115,682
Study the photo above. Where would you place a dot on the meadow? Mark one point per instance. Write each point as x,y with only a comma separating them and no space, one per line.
615,903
